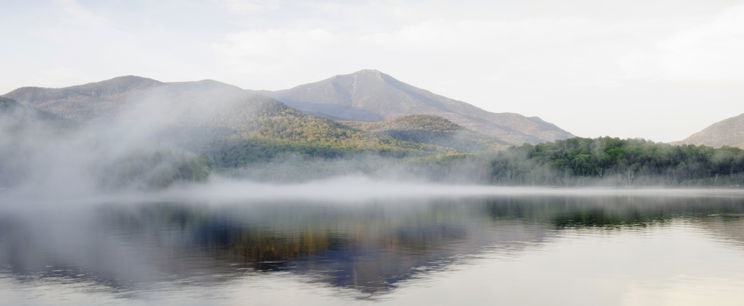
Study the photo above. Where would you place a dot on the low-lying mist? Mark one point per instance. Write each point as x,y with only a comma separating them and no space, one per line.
362,189
168,142
131,198
160,137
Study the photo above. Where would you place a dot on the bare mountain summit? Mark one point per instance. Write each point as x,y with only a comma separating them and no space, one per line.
729,132
370,95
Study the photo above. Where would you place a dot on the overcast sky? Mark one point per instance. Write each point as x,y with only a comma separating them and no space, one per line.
659,70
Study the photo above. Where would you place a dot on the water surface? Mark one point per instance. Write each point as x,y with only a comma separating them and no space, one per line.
615,249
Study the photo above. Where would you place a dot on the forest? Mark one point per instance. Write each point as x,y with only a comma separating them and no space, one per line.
617,161
572,162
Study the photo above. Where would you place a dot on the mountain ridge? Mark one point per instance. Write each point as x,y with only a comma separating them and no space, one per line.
727,132
367,95
370,95
207,112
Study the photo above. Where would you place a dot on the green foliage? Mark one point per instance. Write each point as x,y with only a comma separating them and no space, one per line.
432,130
628,161
411,122
276,125
241,152
576,161
153,170
274,131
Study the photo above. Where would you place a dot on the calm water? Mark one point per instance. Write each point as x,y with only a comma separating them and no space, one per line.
507,250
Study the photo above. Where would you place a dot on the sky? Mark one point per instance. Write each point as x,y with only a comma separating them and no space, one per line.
654,69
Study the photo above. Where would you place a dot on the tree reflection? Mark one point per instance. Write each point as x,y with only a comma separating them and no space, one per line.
370,248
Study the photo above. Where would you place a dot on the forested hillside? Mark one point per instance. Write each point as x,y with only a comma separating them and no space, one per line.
434,130
370,95
618,161
186,130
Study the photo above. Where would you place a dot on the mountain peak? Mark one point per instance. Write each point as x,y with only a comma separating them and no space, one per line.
365,75
370,95
124,82
131,78
373,72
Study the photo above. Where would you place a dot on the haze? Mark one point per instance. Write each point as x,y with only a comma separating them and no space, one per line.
670,68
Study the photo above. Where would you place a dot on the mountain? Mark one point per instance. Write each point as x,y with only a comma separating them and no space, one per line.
110,97
432,130
729,132
224,119
20,128
370,95
15,113
8,105
83,101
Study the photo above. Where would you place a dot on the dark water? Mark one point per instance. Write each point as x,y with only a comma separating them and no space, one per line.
507,250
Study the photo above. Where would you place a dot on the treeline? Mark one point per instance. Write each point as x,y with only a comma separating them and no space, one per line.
152,170
238,153
617,161
571,162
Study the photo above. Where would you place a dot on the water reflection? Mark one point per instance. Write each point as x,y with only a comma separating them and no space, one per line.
370,248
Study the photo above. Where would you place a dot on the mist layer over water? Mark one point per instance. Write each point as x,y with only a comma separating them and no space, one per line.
361,188
94,212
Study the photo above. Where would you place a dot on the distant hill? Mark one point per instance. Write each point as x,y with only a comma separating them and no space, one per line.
106,98
83,101
20,128
729,132
7,105
21,113
370,95
432,130
213,114
367,111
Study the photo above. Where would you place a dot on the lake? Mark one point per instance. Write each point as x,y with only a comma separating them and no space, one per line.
668,247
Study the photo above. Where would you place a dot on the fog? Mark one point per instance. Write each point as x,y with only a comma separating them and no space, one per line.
134,144
361,189
133,147
118,199
48,155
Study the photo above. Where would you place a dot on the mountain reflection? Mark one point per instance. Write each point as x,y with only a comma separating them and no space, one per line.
368,247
